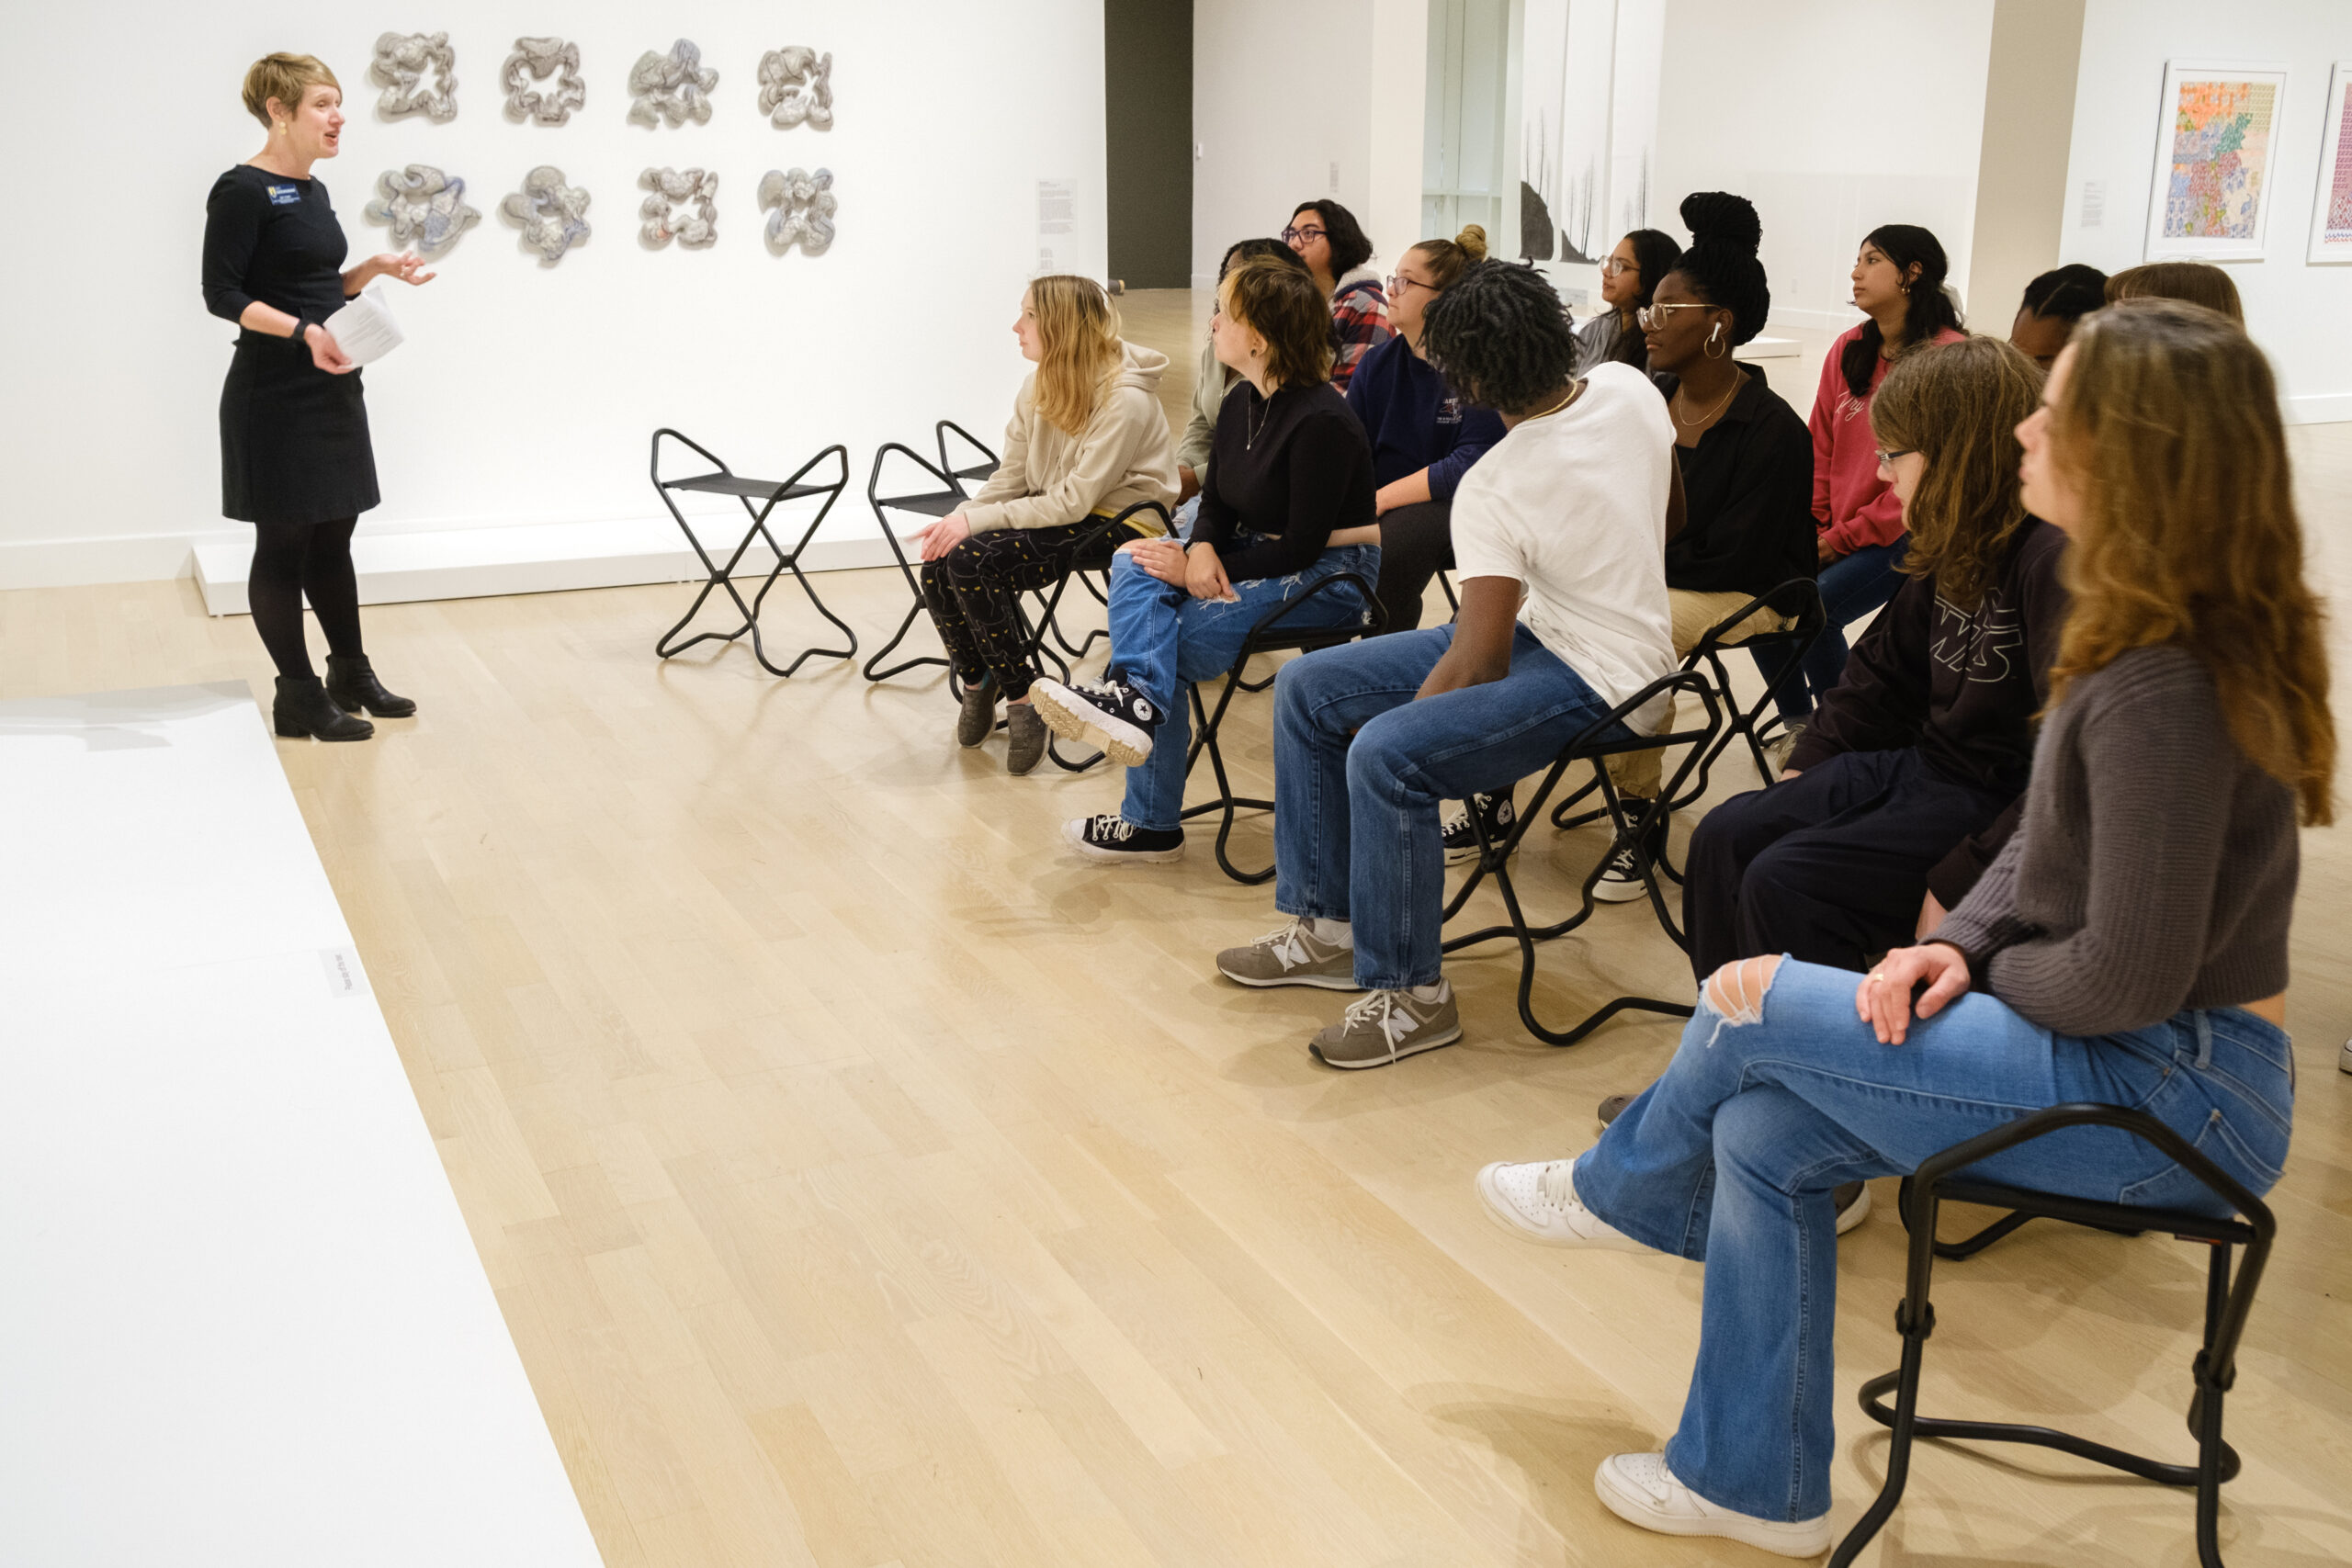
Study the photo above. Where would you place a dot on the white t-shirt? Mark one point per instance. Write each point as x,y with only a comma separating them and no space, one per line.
1572,507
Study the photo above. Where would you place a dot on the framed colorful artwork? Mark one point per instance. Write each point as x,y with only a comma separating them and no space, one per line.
2332,212
2216,154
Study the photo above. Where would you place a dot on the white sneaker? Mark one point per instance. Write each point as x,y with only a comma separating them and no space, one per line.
1538,1202
1640,1489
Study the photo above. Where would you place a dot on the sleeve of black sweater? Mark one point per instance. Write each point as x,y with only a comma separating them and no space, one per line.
1880,702
232,219
1329,469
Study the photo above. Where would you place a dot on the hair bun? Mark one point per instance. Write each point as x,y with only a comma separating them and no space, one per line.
1473,241
1718,218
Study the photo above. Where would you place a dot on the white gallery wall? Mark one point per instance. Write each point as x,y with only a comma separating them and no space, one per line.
527,393
2300,314
1833,116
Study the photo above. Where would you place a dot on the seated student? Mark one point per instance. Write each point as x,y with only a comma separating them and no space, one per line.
1212,380
1745,456
1562,526
1899,283
1088,439
1289,468
2129,947
1424,437
1333,244
2052,304
2199,283
1628,280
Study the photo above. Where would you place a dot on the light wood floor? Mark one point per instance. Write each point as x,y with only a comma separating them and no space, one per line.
866,1182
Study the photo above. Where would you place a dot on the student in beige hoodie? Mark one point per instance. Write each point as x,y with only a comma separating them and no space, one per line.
1087,440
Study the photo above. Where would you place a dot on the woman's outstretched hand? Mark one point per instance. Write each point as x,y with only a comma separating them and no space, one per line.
1883,997
406,266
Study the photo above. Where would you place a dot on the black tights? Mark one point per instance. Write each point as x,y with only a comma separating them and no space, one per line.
295,559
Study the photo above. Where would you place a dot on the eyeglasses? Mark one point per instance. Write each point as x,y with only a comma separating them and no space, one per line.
1613,267
1400,283
1292,236
1886,459
1653,318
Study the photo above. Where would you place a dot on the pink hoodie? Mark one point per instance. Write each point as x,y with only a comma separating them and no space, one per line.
1850,503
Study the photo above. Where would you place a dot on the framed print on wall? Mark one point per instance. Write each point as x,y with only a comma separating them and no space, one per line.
2215,154
2332,212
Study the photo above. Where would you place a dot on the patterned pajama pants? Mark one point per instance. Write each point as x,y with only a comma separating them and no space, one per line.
973,592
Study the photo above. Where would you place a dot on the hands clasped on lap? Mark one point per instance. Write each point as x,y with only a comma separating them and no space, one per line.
1197,571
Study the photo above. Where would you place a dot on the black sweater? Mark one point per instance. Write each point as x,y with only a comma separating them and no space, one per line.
1291,468
1749,485
1962,687
273,239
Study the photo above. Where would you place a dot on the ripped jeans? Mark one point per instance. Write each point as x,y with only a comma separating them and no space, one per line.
1163,640
1731,1158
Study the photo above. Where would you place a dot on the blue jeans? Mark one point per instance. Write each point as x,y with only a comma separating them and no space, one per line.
1731,1157
1163,640
1852,587
1356,834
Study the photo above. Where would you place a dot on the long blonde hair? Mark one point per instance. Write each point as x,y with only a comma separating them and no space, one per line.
1958,405
2169,424
1080,334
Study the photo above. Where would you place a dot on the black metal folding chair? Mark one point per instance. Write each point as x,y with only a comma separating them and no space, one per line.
1269,636
950,493
1588,749
1944,1178
769,493
1095,553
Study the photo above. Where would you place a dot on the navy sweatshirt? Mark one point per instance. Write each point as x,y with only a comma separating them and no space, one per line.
1416,421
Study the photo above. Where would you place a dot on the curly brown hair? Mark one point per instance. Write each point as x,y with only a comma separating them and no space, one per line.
1280,304
2167,421
1958,405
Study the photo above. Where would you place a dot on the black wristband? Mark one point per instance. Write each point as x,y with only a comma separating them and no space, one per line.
302,325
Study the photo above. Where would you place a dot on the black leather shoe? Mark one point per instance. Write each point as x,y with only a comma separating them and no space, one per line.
352,684
302,707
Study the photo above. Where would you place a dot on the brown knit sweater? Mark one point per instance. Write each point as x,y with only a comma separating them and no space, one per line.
2154,871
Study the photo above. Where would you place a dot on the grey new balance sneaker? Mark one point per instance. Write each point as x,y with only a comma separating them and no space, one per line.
1382,1027
1026,732
1291,956
976,718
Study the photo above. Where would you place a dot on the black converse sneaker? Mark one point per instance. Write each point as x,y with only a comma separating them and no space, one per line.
1107,713
1621,882
1111,837
1461,839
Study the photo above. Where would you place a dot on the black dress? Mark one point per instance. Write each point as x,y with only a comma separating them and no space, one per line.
294,443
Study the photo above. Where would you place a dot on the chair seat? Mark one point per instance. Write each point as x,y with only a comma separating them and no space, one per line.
984,470
751,488
934,503
2126,1217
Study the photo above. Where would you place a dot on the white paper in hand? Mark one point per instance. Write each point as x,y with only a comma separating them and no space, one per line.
364,329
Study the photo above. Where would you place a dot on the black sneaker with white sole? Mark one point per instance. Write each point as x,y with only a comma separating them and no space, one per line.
1461,839
1620,881
1111,836
1109,713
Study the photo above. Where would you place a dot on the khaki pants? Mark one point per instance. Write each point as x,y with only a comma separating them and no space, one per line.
1638,772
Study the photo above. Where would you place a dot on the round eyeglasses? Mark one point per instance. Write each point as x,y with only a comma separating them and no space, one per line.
1653,318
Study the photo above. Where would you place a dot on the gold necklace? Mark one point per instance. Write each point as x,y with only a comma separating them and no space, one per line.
1694,423
1564,402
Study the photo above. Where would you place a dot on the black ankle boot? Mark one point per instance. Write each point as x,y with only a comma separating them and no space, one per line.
352,684
303,708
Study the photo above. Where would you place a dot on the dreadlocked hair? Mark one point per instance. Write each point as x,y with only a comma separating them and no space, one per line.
1501,337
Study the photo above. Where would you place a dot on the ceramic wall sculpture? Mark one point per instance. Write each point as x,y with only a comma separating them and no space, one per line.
797,85
400,67
674,86
684,207
553,215
533,61
800,209
426,207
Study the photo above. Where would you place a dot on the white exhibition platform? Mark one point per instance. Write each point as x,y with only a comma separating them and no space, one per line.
241,1319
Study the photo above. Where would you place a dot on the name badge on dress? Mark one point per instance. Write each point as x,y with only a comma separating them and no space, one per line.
284,196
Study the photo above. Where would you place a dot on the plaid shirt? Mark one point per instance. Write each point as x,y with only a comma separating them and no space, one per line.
1360,322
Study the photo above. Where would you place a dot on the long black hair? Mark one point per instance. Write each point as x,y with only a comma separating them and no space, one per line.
1349,247
1501,337
1720,265
1655,252
1928,311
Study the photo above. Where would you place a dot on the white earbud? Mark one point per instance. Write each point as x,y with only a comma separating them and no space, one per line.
1716,336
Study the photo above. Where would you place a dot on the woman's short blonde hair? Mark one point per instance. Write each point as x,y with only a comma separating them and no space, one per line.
1078,333
285,77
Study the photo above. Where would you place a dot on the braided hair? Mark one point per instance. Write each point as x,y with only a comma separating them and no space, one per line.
1928,311
1501,337
1720,265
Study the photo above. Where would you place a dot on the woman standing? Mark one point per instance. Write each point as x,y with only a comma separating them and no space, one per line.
1332,244
1629,279
295,460
1899,284
2128,947
1087,440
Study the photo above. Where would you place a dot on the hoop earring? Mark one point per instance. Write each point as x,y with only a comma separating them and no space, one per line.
1708,348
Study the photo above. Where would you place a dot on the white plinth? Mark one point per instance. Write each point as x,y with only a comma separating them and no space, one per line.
241,1318
1761,348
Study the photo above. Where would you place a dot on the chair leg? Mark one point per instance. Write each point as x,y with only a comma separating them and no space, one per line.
905,626
1905,1382
1227,804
